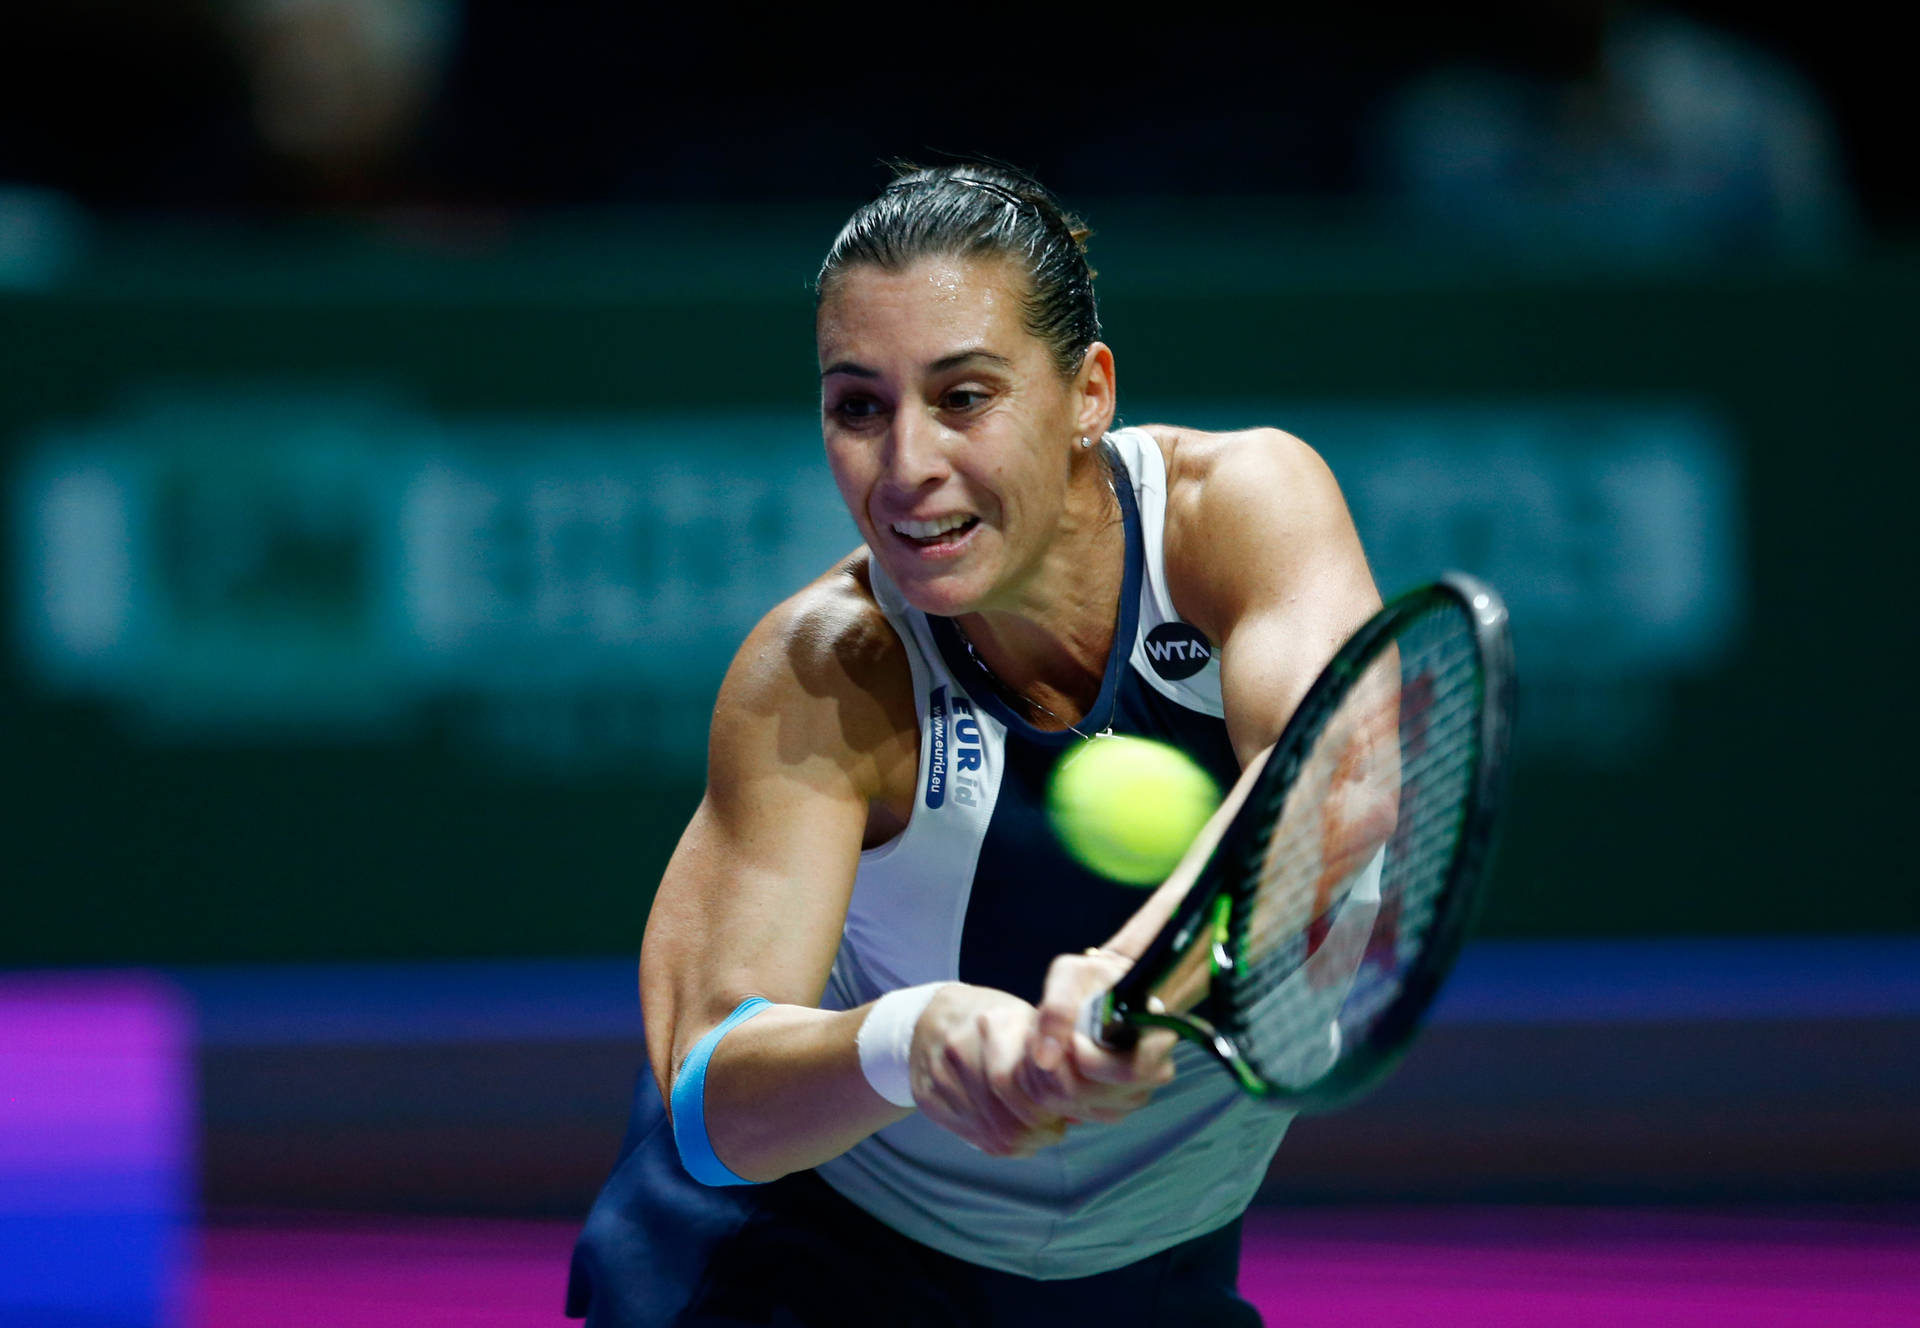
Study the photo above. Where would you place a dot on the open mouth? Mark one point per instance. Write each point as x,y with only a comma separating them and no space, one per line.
936,534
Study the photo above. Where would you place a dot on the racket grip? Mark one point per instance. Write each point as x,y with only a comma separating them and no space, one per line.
1115,1035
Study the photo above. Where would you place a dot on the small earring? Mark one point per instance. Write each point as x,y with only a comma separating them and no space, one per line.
1085,441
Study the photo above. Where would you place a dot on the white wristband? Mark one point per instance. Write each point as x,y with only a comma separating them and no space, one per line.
885,1040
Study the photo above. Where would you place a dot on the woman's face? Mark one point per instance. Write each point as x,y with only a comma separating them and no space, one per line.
949,430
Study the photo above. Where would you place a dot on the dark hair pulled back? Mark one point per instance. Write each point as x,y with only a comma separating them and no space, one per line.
977,210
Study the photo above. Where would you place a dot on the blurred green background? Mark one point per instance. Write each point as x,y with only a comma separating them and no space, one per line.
406,406
370,584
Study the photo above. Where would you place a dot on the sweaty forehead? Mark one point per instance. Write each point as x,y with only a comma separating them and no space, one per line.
920,312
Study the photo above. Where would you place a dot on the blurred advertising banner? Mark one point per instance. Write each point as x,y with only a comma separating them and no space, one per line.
1614,530
324,566
287,564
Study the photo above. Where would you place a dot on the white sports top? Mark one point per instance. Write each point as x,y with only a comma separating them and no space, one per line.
975,889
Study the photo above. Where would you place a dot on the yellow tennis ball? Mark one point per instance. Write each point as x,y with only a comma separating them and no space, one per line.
1129,807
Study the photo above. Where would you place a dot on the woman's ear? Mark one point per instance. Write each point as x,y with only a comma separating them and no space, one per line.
1096,389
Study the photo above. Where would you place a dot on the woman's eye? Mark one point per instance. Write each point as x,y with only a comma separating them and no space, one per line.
856,408
963,398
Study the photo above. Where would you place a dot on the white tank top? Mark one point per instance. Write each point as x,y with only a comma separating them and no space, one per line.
976,890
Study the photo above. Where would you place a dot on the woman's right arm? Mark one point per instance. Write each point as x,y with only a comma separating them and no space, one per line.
813,721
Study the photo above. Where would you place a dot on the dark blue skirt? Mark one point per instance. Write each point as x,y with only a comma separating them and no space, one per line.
661,1249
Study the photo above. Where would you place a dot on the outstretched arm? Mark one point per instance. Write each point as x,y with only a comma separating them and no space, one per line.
1261,556
752,901
813,719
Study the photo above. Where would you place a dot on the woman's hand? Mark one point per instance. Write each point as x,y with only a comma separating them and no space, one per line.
1067,1073
968,1046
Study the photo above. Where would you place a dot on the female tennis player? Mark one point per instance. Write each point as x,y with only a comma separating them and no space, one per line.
867,1104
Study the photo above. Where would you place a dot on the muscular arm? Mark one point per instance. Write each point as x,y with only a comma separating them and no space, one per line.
1263,558
754,897
813,735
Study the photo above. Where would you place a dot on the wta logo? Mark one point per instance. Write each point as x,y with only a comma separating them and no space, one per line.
955,753
1177,650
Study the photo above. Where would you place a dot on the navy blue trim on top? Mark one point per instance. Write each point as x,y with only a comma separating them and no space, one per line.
985,689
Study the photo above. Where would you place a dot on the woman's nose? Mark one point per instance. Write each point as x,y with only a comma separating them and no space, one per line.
917,452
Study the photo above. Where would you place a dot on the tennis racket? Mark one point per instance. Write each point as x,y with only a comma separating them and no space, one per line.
1337,897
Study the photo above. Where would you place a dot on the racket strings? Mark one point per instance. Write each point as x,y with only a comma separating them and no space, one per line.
1426,826
1279,923
1330,928
1282,906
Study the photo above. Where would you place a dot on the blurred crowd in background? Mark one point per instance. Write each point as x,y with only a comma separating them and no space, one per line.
1708,126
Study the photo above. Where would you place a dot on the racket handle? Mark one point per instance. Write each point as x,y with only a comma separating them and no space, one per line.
1117,1035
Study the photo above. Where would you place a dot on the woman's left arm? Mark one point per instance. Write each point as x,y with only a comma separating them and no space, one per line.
1263,557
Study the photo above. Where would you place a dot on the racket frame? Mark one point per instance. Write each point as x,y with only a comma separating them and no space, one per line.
1212,901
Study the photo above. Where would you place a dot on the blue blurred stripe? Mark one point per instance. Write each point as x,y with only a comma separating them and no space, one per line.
1498,982
439,1001
67,1269
1540,982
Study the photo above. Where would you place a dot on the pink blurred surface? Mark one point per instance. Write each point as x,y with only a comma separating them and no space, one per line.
374,1272
95,1072
1492,1266
1515,1266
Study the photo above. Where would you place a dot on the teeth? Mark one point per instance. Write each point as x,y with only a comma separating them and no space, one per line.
921,530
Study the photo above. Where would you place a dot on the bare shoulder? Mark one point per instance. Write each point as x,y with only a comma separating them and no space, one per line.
1263,558
1248,511
822,681
1206,470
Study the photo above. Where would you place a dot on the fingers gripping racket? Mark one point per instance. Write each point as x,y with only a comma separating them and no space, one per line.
1336,899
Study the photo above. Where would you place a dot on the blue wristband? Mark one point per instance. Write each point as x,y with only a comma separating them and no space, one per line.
689,1106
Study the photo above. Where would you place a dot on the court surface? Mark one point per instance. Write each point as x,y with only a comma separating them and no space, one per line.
1488,1266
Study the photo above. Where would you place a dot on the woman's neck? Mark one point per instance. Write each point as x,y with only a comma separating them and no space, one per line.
1050,648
